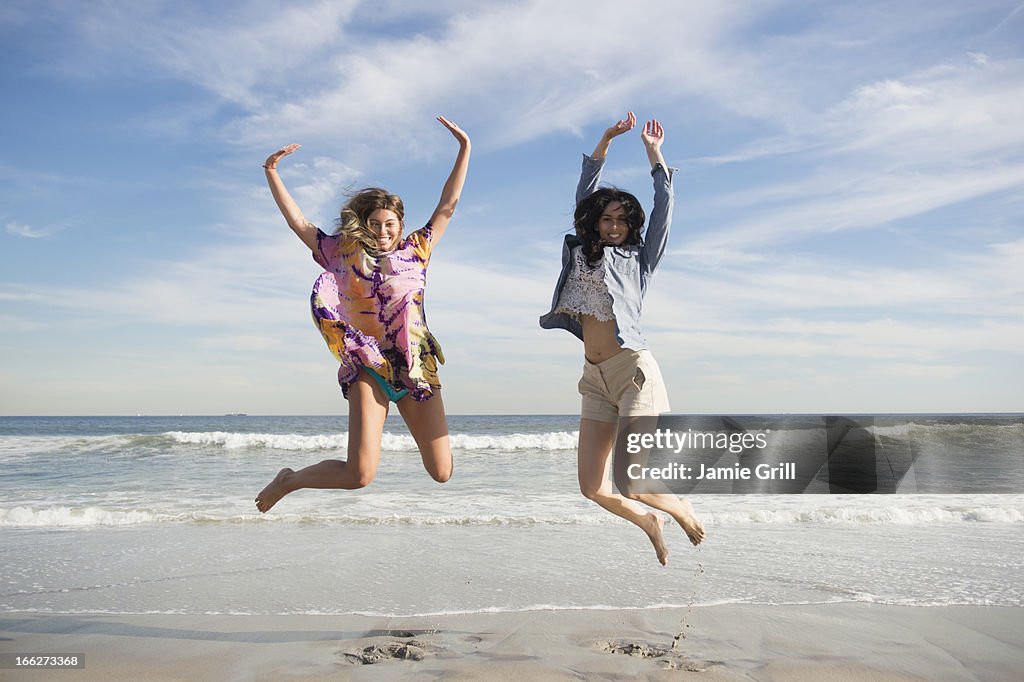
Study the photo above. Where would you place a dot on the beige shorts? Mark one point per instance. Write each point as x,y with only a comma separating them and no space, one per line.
625,385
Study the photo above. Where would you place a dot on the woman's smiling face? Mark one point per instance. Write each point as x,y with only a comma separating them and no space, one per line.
386,224
612,225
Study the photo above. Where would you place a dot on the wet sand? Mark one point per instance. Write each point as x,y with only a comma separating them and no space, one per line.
731,642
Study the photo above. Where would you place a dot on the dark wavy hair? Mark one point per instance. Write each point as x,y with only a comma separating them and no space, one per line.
355,214
589,211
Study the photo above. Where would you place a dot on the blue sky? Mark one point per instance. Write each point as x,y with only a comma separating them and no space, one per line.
848,229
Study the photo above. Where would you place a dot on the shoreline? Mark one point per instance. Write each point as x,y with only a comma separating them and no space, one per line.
836,641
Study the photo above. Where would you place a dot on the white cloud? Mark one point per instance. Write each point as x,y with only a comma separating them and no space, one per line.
854,201
515,72
20,230
986,282
892,150
233,52
948,114
320,186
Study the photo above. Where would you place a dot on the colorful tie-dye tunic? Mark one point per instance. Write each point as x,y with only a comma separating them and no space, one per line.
370,311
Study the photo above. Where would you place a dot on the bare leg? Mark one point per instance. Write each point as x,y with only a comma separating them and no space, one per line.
655,493
367,410
427,424
592,459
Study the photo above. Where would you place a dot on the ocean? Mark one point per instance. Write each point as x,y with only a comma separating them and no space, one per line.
135,515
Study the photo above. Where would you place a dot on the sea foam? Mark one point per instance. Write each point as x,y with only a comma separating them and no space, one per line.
75,517
558,440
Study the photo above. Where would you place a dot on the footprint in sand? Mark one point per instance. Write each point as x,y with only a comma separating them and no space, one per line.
376,653
669,659
636,649
398,645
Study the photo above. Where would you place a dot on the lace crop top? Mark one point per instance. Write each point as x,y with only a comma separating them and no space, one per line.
585,292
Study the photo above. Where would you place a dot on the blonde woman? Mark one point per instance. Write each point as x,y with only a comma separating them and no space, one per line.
368,305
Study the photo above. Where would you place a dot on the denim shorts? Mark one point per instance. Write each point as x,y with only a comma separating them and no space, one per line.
628,384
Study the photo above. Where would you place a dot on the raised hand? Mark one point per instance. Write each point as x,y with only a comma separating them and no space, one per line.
623,126
271,162
653,134
458,132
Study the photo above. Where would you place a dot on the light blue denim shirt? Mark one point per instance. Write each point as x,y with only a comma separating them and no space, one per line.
629,268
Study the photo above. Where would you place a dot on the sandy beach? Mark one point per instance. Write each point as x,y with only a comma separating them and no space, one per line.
497,576
732,642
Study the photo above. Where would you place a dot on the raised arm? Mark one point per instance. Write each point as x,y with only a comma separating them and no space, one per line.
305,230
592,165
660,222
453,187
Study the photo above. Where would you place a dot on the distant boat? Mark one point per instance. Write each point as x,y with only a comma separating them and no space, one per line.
236,414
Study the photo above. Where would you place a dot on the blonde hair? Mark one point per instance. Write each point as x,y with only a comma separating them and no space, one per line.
355,213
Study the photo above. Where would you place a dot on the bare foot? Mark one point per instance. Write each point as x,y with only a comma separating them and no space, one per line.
652,525
274,491
690,523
